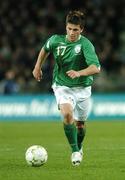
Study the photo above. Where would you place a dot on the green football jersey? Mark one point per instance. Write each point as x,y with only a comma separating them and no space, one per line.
68,55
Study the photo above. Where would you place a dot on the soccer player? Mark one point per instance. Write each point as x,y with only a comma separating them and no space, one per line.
75,64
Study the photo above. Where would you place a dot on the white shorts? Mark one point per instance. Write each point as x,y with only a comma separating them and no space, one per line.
78,97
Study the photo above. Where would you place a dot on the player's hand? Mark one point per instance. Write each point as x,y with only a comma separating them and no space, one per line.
73,74
37,73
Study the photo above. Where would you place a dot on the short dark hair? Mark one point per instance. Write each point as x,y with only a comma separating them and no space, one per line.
76,17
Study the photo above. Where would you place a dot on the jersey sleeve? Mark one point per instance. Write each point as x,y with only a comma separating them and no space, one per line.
49,44
90,54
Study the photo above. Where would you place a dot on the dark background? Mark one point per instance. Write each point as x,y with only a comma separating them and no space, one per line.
27,24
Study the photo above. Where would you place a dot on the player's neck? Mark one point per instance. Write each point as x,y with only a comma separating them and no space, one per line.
75,40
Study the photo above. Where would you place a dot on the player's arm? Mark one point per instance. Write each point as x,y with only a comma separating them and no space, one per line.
91,60
90,70
37,72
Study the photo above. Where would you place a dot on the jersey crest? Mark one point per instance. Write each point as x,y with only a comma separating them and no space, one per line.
77,48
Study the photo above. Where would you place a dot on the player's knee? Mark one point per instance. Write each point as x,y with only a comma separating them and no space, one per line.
67,113
67,117
80,124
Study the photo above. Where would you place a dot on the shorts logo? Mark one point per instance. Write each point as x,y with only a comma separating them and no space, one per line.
77,48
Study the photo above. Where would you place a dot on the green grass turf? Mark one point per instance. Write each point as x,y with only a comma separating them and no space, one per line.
104,150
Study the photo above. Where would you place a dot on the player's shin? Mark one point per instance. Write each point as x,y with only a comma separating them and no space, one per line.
81,131
71,134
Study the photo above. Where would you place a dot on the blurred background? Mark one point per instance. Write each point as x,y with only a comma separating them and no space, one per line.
25,26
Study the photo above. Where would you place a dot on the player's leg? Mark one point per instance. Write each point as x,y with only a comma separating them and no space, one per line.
66,104
71,132
81,113
69,125
81,131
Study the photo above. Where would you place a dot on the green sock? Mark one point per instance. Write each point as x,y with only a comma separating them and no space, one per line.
80,136
71,134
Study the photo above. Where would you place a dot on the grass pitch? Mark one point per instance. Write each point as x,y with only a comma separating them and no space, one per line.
104,150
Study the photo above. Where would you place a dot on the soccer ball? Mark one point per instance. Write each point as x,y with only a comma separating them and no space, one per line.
36,155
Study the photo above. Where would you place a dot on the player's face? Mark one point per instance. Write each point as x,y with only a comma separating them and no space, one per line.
73,32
